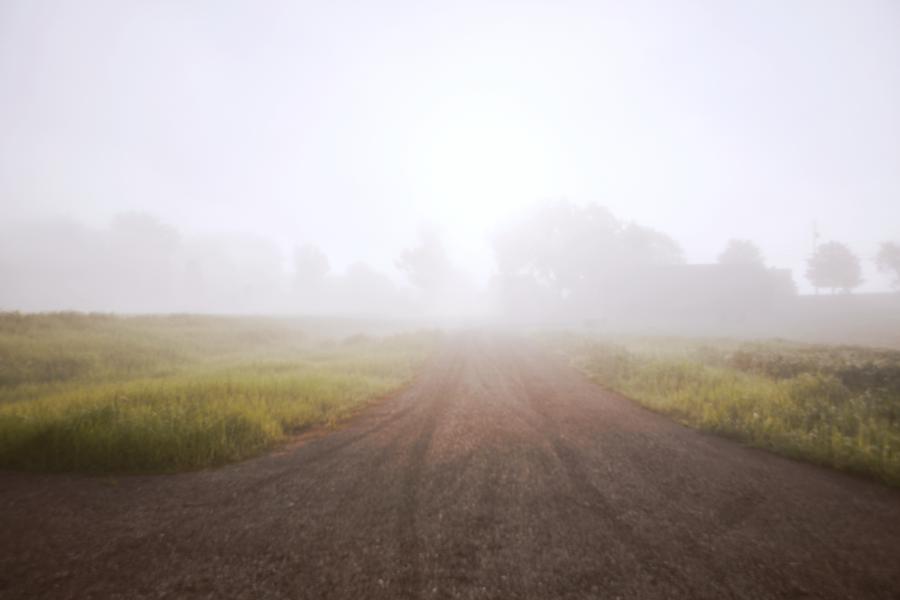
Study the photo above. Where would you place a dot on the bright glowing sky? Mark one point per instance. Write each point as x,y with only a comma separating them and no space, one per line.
351,125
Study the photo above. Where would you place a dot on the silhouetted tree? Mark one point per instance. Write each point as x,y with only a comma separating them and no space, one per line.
741,252
644,246
427,265
834,266
580,253
444,288
888,260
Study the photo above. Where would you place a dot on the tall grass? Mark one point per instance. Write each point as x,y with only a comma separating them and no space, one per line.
101,393
834,406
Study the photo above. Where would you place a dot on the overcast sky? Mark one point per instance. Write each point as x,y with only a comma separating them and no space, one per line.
353,125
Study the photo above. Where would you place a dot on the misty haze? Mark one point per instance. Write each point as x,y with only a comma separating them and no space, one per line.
450,300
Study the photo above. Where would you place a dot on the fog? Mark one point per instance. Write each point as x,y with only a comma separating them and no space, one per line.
527,160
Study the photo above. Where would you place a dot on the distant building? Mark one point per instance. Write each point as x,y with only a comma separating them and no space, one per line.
700,298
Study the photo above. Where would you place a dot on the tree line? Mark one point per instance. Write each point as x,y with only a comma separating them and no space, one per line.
832,265
585,251
556,258
835,267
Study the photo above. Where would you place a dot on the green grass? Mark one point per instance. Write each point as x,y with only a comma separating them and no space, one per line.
111,394
836,406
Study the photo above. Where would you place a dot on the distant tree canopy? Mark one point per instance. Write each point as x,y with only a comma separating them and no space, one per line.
577,252
888,260
427,265
741,252
310,266
835,267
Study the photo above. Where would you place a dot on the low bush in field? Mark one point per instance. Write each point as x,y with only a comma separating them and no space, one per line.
233,389
834,406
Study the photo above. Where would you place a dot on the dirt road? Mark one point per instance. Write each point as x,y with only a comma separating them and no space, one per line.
499,474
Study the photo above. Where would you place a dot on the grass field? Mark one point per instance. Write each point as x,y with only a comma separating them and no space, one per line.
103,393
833,405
